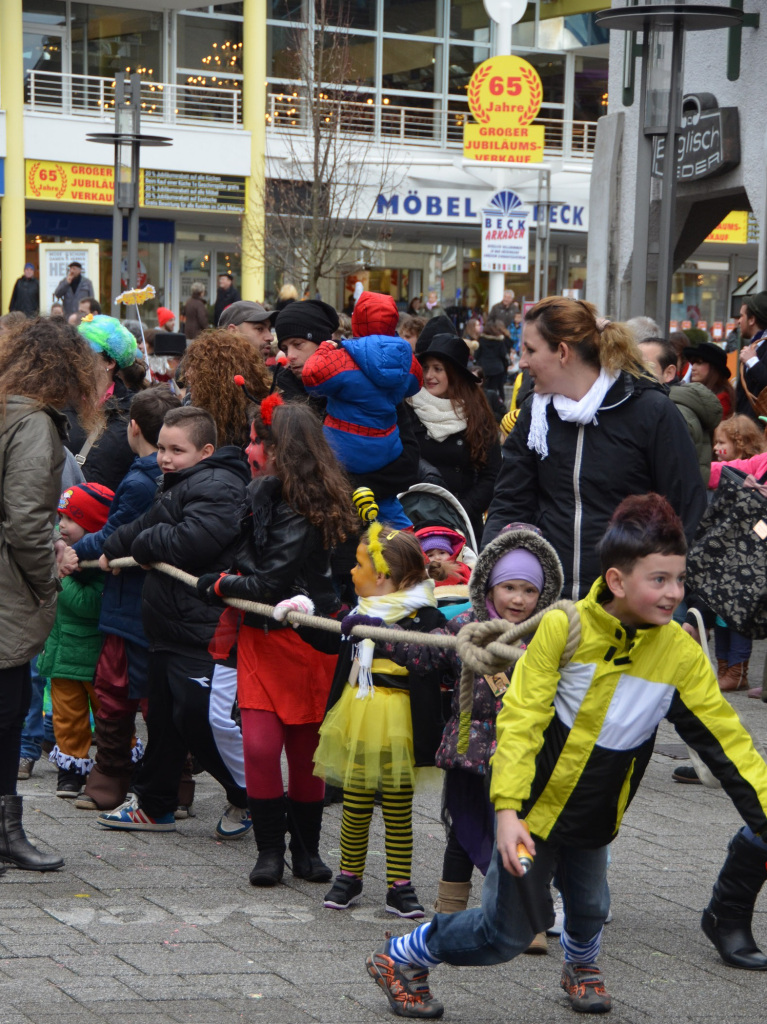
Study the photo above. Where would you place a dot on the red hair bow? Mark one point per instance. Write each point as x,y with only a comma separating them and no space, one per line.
268,406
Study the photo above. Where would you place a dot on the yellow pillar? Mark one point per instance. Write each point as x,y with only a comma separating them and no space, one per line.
254,121
12,97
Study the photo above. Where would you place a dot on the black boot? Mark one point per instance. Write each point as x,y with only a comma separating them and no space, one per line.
304,824
269,828
727,919
15,848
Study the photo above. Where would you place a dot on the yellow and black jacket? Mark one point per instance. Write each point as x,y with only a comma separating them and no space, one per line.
573,744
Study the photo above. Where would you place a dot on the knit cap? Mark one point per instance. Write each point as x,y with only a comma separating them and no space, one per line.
87,504
436,543
164,315
518,564
106,334
313,320
374,313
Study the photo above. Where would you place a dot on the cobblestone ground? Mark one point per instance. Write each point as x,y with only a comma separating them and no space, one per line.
161,928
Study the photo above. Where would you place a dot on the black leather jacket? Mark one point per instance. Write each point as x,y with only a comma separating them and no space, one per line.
279,554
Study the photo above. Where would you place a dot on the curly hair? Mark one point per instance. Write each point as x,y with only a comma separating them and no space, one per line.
47,360
209,366
574,322
469,399
313,482
746,437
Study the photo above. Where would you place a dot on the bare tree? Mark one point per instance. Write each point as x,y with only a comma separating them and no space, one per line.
326,166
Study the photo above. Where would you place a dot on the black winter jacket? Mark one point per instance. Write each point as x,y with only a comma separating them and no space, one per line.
279,554
639,444
194,524
471,486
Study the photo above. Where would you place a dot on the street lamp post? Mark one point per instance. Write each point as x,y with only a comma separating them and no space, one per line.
127,141
663,27
504,13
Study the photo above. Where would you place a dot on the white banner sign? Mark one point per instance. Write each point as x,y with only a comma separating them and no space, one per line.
465,206
55,258
506,234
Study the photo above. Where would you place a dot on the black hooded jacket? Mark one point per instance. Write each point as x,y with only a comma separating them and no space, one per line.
639,443
194,524
279,554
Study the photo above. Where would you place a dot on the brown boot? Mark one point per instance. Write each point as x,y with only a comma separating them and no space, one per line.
452,897
721,669
735,678
110,778
539,945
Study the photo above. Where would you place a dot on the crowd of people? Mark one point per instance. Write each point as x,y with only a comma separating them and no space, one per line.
279,458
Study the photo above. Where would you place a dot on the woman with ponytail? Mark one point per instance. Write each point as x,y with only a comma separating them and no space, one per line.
597,428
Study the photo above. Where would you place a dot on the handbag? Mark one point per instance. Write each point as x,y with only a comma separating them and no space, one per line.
727,563
758,402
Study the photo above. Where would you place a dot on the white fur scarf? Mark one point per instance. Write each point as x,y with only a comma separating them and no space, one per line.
438,415
583,411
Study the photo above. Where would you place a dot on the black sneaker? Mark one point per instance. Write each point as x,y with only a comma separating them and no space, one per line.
686,774
346,890
69,784
402,901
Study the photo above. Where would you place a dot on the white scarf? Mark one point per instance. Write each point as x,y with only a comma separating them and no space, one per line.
390,608
583,411
438,415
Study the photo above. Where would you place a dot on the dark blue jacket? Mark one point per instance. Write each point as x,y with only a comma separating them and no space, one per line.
121,603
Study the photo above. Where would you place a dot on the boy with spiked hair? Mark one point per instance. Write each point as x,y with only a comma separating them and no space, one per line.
573,745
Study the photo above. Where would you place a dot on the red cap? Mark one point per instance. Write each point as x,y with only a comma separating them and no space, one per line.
164,315
374,313
87,504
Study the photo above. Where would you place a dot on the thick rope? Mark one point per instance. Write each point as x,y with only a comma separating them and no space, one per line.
378,633
483,647
489,647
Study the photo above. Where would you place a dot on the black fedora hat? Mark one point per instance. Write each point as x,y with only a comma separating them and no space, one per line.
169,343
708,352
449,348
437,325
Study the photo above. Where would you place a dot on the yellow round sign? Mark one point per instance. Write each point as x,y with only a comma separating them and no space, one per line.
505,91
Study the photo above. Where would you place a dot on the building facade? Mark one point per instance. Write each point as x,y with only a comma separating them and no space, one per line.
400,97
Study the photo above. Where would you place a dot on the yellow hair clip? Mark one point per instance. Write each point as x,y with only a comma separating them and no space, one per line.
375,549
87,319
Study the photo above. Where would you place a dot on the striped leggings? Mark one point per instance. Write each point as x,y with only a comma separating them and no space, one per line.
398,823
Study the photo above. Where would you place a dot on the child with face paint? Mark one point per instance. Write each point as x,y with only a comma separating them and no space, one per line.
516,575
382,723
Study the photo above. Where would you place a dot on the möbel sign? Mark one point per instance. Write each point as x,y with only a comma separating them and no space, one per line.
505,95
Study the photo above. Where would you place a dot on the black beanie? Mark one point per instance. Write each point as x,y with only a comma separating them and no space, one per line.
437,325
314,320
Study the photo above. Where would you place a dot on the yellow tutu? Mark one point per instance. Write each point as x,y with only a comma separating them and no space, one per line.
366,744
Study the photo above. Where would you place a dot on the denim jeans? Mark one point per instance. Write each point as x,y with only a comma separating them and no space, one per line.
502,928
36,727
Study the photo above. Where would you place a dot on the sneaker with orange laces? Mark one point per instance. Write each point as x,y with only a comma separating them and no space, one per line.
406,987
585,988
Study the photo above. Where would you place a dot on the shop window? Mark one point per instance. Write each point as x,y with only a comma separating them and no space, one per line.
590,88
409,65
463,61
413,17
552,72
286,10
106,40
345,14
209,52
468,20
45,12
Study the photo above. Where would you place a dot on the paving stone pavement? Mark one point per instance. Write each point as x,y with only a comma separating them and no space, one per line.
164,928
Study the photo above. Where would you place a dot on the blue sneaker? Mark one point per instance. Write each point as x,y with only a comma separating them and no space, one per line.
129,816
234,822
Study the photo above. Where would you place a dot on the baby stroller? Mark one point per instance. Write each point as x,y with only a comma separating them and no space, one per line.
431,505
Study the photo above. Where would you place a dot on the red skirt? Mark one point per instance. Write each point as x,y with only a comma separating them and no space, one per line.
279,672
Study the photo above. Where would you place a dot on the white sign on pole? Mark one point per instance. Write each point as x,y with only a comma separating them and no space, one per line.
505,234
55,258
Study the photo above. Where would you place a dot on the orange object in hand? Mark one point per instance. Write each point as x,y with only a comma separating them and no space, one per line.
524,856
